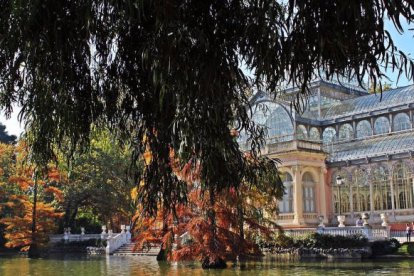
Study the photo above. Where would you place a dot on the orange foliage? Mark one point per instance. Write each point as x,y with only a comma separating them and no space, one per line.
192,222
18,227
17,203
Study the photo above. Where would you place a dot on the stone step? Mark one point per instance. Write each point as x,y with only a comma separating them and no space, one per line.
127,250
135,254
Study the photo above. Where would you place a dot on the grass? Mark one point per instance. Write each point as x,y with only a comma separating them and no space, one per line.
403,250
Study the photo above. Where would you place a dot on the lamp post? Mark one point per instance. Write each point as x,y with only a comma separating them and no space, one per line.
339,182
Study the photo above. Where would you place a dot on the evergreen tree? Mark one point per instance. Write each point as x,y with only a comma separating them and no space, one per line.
5,137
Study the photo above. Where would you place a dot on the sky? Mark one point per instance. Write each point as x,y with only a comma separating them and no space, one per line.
404,42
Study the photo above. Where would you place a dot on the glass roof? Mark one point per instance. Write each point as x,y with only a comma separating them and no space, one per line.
392,144
398,96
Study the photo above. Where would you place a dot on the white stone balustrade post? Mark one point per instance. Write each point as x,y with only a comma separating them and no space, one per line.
110,233
384,218
108,249
128,233
123,232
65,234
82,231
103,234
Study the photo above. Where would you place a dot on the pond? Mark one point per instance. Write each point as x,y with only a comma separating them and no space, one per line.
117,265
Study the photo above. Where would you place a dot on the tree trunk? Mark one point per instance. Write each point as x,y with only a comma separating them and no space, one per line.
34,250
240,218
212,260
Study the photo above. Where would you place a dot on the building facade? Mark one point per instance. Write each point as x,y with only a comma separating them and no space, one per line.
365,139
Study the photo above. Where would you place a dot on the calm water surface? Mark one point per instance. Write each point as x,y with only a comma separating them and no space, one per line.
114,265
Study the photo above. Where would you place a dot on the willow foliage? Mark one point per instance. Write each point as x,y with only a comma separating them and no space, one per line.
166,73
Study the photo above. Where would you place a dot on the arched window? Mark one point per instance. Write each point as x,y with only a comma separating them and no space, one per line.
381,189
301,132
314,134
328,135
275,119
363,129
403,188
401,122
360,189
346,132
286,205
382,125
279,123
308,193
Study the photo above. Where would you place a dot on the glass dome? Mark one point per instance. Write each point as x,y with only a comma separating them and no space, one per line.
275,118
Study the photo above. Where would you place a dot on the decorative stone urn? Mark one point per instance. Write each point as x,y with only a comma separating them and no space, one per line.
341,220
128,233
321,224
365,218
103,234
65,234
384,218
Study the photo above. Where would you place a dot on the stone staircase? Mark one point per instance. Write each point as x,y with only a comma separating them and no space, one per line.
127,250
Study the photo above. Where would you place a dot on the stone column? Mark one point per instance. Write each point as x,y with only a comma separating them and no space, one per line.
298,196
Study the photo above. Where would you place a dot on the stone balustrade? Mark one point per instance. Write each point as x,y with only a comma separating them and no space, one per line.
73,237
114,240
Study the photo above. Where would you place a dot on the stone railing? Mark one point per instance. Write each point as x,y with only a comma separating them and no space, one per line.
377,233
73,237
116,240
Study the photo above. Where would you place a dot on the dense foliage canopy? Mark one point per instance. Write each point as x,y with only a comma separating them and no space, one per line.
167,73
4,136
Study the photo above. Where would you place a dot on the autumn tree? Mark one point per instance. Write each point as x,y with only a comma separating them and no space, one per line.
5,137
7,166
28,203
214,232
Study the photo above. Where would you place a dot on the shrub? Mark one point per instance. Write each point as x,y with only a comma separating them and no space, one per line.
284,241
410,248
317,240
384,247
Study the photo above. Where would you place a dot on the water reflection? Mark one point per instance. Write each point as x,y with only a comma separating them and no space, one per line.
114,265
